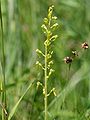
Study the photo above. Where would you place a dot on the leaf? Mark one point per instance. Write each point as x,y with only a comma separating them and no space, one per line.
18,102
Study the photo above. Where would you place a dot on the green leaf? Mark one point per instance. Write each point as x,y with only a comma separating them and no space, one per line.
18,102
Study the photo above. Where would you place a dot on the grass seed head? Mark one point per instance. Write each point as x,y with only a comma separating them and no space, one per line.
68,60
85,45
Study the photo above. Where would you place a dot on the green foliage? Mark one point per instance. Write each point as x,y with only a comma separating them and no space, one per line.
18,102
22,20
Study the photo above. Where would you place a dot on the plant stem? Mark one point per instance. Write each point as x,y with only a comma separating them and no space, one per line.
3,94
45,82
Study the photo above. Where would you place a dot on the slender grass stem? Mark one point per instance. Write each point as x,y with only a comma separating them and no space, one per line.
3,94
45,82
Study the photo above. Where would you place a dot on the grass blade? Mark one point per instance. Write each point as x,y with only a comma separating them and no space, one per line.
18,102
3,83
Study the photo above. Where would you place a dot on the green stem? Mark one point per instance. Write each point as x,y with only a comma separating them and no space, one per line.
3,94
45,82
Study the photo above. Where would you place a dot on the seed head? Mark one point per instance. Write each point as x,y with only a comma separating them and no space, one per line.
74,53
85,45
68,60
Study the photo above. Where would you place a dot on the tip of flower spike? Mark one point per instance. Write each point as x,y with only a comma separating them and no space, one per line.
52,6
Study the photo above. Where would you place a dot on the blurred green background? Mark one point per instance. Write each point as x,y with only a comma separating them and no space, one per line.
22,20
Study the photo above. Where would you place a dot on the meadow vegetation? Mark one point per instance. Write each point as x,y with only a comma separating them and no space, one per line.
29,91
